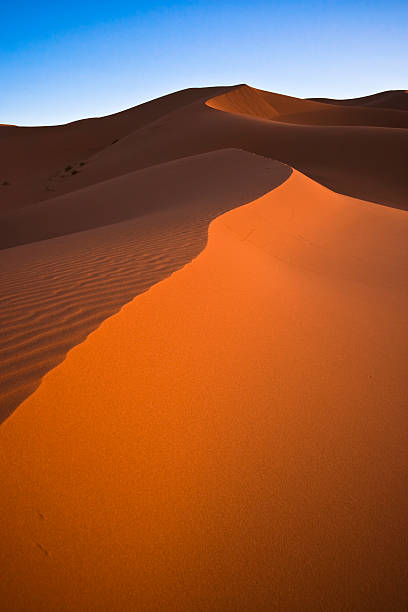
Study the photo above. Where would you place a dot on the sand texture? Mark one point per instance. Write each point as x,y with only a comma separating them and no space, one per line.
203,354
397,99
55,291
346,152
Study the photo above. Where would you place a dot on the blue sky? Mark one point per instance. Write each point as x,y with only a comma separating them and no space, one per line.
64,61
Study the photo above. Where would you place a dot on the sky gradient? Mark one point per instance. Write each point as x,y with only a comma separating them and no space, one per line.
65,61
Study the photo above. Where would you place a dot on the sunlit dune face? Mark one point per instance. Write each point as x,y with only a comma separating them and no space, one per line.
234,438
57,290
253,102
203,357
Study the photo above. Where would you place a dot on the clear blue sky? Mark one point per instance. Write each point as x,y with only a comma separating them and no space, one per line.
61,61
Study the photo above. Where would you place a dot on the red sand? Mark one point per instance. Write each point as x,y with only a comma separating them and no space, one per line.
395,98
342,148
233,439
255,102
55,291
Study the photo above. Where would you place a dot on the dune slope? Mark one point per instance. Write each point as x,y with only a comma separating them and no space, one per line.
397,99
234,438
255,102
55,291
364,162
342,148
39,162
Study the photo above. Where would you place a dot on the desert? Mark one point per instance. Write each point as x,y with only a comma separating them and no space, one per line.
203,356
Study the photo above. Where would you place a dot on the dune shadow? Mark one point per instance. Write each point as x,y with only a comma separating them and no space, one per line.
56,291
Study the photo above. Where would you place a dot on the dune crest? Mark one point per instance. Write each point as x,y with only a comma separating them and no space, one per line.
247,100
195,424
397,99
234,438
341,148
77,260
41,162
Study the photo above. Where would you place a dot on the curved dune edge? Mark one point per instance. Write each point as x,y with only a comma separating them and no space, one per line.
233,439
56,291
245,100
38,167
336,146
397,99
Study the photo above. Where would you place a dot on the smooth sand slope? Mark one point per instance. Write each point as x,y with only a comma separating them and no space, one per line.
251,101
232,439
38,163
151,159
344,149
395,98
53,292
362,161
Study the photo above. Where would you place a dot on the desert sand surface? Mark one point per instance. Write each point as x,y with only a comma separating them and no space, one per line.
63,281
39,162
361,161
344,149
97,173
235,437
396,98
259,103
203,391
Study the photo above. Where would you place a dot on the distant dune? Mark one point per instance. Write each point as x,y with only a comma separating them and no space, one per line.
397,99
203,302
340,149
255,102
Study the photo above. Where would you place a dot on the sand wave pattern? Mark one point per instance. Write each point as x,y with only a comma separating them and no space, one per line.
55,292
234,439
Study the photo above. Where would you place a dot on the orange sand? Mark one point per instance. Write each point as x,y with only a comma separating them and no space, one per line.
233,439
55,291
258,103
340,147
394,98
166,169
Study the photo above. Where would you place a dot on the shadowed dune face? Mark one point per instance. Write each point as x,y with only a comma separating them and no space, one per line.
338,147
135,194
276,107
397,99
233,439
364,162
55,292
136,176
39,162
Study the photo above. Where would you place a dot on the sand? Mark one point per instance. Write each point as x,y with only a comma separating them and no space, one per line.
344,149
258,103
362,161
203,356
41,162
85,254
395,98
232,439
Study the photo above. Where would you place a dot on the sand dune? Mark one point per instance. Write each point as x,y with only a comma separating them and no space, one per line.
201,181
337,147
255,102
234,438
53,293
39,162
364,162
397,99
206,426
